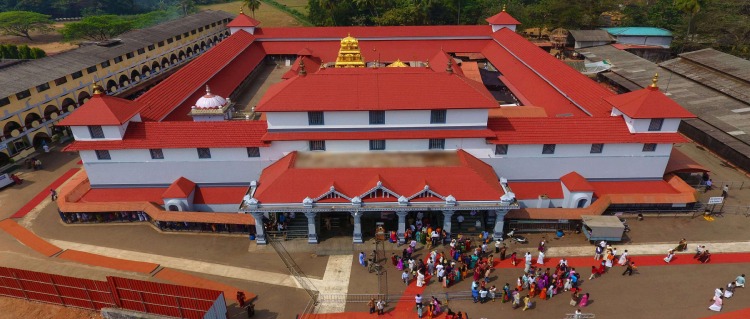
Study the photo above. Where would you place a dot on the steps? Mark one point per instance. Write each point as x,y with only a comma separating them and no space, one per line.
296,229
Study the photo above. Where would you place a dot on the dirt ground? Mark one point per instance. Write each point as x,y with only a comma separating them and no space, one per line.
19,308
51,42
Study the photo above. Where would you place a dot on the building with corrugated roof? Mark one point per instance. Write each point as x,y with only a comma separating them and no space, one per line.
342,135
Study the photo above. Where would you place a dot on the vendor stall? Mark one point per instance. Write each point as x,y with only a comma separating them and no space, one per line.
608,228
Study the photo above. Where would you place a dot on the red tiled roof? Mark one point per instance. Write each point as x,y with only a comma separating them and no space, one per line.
203,195
471,71
383,50
312,64
648,103
681,163
102,109
572,131
532,190
180,188
376,135
574,182
470,180
175,90
442,31
220,195
633,187
365,89
439,63
503,18
224,82
576,86
242,20
147,135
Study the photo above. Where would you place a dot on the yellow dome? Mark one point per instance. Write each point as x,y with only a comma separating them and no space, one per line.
349,40
397,64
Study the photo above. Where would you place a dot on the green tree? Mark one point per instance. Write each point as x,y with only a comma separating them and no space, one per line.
691,8
20,23
24,52
251,5
12,52
37,53
97,28
186,7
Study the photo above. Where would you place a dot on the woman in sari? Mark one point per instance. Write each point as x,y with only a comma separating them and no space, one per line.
420,279
400,264
513,259
718,302
584,300
623,258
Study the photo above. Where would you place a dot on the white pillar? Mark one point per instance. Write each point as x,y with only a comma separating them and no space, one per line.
401,226
357,227
312,234
447,216
499,223
260,234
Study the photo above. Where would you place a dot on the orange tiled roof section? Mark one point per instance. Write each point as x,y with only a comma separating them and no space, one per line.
398,89
576,183
502,18
243,20
182,134
546,73
78,186
180,188
648,103
471,179
377,135
582,130
164,97
102,110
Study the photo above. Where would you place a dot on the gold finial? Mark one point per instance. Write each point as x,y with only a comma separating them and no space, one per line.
208,90
449,68
655,80
427,63
241,11
504,6
97,89
302,71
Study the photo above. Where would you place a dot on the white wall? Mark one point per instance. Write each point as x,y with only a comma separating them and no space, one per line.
402,145
219,208
641,125
81,133
496,27
393,119
644,40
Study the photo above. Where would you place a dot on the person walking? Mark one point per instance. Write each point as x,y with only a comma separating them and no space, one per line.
418,300
371,305
540,259
53,194
670,255
526,302
629,269
584,300
405,277
362,259
381,307
725,191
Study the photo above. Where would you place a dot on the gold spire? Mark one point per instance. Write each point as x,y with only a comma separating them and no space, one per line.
427,63
397,64
655,80
97,89
504,6
302,71
350,55
241,11
449,68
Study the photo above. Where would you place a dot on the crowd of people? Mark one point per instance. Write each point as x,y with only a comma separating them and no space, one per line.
128,217
721,294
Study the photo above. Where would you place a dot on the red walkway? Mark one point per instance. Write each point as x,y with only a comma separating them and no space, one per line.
44,193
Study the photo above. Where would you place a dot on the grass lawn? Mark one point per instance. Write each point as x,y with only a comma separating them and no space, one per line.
51,42
299,5
266,14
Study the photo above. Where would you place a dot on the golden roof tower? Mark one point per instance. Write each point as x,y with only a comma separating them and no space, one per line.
349,54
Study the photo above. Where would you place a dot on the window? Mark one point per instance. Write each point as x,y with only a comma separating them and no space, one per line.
193,32
253,152
315,118
655,125
649,147
317,145
156,153
597,148
186,34
204,153
23,94
377,117
96,131
4,101
118,59
200,29
437,144
170,40
42,87
103,155
105,64
141,51
61,81
437,116
129,55
151,47
377,145
178,37
548,149
91,69
213,24
76,75
501,149
161,44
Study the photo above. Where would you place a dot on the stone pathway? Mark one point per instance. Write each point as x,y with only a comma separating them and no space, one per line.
335,281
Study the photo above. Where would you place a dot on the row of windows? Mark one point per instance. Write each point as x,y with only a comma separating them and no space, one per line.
157,153
379,145
377,117
502,149
105,64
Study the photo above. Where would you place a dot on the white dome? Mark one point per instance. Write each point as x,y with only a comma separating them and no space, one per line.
210,101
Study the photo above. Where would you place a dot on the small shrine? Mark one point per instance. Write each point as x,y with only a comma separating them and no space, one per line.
349,54
398,64
211,107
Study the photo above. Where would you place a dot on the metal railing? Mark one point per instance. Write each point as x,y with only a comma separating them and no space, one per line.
733,185
363,298
298,274
580,316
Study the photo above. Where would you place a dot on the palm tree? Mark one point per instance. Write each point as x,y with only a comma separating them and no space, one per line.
691,7
252,5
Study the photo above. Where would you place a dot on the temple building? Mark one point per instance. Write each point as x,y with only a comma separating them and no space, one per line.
372,126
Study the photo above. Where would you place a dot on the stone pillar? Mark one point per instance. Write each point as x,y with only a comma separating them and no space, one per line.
401,226
260,234
447,216
499,223
357,227
312,234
